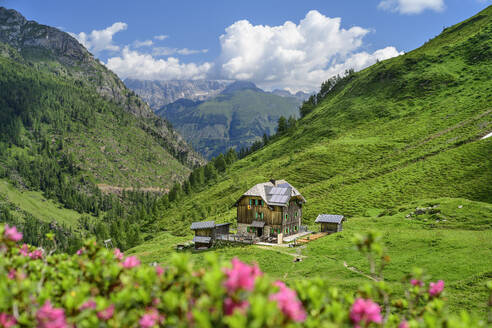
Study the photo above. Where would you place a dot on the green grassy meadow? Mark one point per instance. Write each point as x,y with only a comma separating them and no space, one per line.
35,203
458,250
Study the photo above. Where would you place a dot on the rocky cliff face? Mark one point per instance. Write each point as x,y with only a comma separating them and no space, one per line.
39,44
160,93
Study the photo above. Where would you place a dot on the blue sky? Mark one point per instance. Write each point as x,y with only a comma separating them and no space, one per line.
256,44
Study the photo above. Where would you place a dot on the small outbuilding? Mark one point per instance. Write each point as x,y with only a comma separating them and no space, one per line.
204,233
330,223
222,229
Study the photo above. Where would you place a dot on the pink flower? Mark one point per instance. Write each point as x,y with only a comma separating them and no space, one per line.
90,304
80,251
36,254
416,282
230,306
436,288
118,254
50,317
12,233
150,319
24,250
7,320
365,311
159,270
11,274
288,302
107,313
131,262
241,276
403,324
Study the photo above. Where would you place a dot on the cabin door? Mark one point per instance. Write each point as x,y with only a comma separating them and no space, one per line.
259,232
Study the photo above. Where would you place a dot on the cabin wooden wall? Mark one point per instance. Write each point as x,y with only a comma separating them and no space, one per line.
274,218
204,232
247,215
330,227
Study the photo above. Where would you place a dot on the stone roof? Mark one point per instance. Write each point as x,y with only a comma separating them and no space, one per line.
277,193
203,225
329,218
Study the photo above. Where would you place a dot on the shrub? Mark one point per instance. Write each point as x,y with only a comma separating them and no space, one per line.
98,287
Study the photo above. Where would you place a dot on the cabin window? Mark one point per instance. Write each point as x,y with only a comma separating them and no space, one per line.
286,216
256,215
261,216
261,202
250,201
272,231
286,230
295,228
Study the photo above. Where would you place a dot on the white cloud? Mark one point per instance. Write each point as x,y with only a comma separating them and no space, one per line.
166,51
146,43
411,6
298,57
100,40
143,66
161,37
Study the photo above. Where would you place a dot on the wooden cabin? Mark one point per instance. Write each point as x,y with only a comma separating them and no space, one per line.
204,233
330,223
268,209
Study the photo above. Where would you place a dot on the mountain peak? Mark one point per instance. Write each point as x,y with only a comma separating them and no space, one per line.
240,85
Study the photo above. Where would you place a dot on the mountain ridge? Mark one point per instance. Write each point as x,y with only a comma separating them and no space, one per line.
55,51
235,118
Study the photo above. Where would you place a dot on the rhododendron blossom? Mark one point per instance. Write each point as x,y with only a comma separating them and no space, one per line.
365,311
118,254
159,270
230,306
24,250
150,319
416,282
131,262
36,254
50,317
240,276
403,324
80,251
90,304
11,274
436,288
11,233
107,313
7,320
288,302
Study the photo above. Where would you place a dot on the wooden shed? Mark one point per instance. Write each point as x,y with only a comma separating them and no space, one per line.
204,233
330,223
222,229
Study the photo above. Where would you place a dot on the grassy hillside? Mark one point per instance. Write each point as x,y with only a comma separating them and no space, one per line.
236,118
405,129
403,133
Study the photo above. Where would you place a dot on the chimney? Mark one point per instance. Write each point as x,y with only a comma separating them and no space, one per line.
274,182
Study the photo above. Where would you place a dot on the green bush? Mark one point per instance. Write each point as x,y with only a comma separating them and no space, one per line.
98,287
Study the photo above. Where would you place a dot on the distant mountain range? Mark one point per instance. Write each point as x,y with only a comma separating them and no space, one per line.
235,118
160,93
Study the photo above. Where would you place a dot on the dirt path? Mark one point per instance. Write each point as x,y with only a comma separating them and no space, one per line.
354,269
